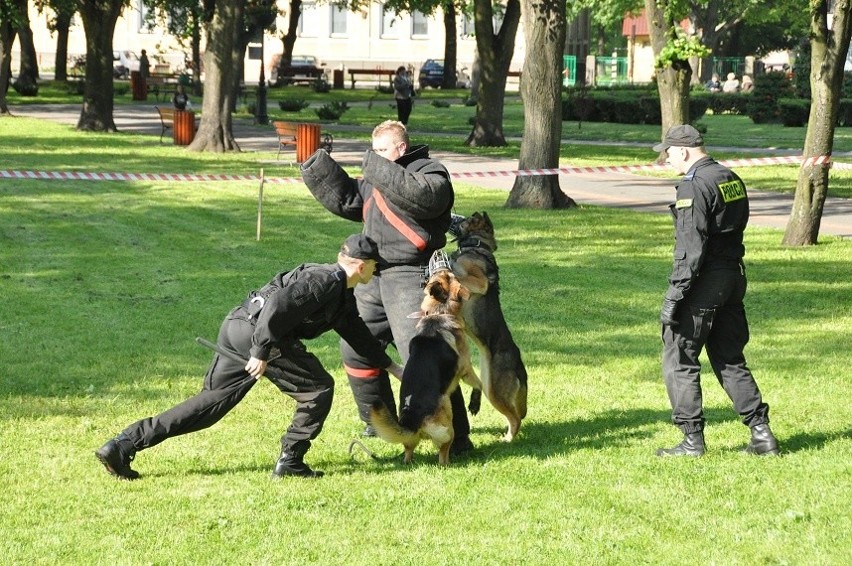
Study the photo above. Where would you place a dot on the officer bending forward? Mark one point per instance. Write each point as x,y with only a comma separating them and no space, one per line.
299,304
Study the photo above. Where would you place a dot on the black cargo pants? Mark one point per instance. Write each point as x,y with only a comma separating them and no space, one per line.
227,382
712,315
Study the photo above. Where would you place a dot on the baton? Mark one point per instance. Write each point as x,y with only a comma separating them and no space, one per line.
269,372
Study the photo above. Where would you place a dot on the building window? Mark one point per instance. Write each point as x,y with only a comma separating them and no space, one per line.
468,27
308,20
338,19
389,22
143,25
419,24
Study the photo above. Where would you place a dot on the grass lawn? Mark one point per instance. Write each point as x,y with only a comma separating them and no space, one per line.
106,285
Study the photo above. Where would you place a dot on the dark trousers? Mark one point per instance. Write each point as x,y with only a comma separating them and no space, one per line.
712,316
385,304
403,109
227,382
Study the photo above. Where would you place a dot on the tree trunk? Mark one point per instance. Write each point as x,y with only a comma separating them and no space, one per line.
99,18
215,132
828,55
63,24
450,46
28,73
495,56
7,38
672,80
195,64
289,40
541,91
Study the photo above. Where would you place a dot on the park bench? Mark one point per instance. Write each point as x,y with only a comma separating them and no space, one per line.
167,120
389,73
289,136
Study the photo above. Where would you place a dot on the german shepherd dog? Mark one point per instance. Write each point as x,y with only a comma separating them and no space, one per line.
504,377
438,357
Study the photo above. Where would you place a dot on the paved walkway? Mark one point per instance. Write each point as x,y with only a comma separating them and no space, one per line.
622,190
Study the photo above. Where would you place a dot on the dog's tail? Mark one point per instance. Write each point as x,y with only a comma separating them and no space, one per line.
388,428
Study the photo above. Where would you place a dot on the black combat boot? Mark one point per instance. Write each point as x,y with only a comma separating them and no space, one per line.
763,442
291,464
691,445
116,456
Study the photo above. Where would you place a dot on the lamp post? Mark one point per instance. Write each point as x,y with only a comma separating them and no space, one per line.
261,116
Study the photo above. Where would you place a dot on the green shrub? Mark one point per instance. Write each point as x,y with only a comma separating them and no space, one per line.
768,89
728,103
794,112
385,89
76,86
332,111
440,103
293,104
25,89
844,112
322,85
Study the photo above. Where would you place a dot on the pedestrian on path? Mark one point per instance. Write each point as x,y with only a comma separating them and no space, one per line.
267,329
703,306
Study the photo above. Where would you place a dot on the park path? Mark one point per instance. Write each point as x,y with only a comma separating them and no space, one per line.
611,189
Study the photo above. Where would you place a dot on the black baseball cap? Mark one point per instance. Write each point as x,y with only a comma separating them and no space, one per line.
680,136
359,246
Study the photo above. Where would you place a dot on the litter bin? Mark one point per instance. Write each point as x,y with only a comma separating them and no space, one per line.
307,141
337,80
138,86
184,127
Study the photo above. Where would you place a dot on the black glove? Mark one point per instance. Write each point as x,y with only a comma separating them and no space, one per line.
667,313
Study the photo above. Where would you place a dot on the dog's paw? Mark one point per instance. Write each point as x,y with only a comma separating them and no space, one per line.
475,401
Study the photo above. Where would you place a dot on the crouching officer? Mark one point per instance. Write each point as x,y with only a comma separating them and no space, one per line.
267,329
704,302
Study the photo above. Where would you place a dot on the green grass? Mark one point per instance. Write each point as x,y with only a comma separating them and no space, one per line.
106,284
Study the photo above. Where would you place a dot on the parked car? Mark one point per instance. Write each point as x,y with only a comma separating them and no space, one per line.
301,67
123,62
431,73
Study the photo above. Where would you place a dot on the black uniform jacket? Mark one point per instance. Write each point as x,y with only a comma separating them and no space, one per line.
405,204
306,302
710,215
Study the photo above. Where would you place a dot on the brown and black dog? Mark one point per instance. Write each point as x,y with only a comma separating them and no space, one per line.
504,377
438,357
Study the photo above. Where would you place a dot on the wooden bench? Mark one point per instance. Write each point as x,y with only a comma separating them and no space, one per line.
288,135
167,120
389,73
157,84
298,74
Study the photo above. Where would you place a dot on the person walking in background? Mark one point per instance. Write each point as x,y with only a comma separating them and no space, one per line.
144,65
404,200
703,306
267,330
403,91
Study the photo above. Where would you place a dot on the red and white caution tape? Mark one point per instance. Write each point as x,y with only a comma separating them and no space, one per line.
823,160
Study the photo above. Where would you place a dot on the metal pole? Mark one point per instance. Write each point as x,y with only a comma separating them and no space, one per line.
261,117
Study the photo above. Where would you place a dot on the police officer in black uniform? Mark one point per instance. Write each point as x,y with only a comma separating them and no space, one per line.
267,329
404,200
703,306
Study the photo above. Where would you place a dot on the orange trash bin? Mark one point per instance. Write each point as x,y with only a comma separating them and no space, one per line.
184,127
307,141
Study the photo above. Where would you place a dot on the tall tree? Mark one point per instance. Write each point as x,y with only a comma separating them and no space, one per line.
221,58
62,12
9,16
184,20
289,38
830,35
672,51
99,18
495,52
28,73
541,90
